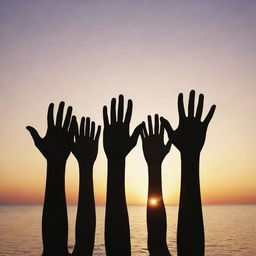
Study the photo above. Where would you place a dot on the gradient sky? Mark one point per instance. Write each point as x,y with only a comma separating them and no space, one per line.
86,52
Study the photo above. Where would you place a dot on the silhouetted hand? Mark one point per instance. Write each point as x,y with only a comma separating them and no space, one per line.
58,141
153,145
85,148
116,138
189,137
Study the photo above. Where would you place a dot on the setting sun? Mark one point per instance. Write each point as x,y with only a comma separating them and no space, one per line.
153,202
85,53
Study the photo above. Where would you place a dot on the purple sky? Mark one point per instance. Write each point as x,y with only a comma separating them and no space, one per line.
86,52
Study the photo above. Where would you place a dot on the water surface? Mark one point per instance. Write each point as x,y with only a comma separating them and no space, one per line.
230,230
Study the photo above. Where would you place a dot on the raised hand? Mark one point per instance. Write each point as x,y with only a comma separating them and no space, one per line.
116,137
56,147
85,150
117,144
153,145
189,137
155,151
58,141
85,147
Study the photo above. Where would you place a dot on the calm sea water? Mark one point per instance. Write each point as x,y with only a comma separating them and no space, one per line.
230,230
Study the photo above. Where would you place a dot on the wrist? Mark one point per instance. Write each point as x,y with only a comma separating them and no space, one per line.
56,173
190,165
155,179
83,165
190,155
56,165
85,172
116,169
154,164
116,161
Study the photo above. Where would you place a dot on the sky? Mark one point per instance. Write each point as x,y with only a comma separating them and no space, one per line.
86,52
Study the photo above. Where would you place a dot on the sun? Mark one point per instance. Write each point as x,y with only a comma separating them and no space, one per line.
153,202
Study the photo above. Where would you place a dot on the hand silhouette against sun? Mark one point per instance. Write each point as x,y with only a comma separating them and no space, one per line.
189,137
85,147
116,136
153,145
58,141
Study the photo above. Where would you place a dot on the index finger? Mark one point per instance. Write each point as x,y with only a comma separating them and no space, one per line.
181,106
50,115
105,116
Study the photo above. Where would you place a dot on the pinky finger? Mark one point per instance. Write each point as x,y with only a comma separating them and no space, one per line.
98,133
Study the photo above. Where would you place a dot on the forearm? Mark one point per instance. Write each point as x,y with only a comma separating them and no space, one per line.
55,222
156,215
117,231
86,217
190,224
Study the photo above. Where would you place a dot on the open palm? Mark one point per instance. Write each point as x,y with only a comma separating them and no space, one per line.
153,145
116,137
85,147
189,137
58,141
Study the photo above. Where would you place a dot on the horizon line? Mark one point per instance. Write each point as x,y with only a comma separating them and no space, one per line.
35,204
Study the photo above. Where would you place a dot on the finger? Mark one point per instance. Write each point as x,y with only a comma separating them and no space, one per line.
120,109
60,114
150,128
87,127
67,118
73,128
50,116
161,130
82,126
199,109
156,124
128,114
135,135
191,104
92,130
142,134
168,146
144,129
37,139
209,115
113,111
181,106
167,126
98,133
105,116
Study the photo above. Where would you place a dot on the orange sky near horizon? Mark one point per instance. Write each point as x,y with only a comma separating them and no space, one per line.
85,53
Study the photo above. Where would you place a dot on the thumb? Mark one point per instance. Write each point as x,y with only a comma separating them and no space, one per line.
73,128
34,134
135,135
167,126
168,146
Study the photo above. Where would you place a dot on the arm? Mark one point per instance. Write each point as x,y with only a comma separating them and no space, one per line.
117,230
56,147
190,234
189,138
85,150
117,144
155,151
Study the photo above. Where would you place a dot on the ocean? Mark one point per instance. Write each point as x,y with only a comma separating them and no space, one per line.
230,230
